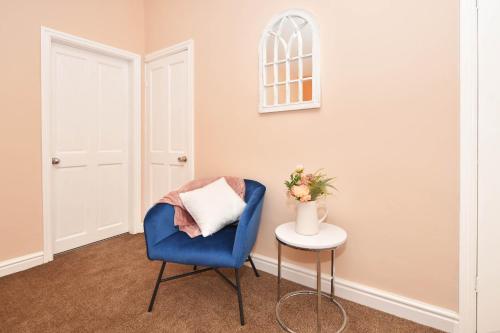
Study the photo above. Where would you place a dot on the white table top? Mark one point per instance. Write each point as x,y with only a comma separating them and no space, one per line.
329,236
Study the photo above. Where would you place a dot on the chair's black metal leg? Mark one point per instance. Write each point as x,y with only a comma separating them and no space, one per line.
152,302
253,267
195,267
240,300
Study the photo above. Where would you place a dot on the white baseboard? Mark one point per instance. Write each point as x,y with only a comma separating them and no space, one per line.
18,264
138,229
400,306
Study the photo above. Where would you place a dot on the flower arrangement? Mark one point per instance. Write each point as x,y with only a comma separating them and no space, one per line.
308,187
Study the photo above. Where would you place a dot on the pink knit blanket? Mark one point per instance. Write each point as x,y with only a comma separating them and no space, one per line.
182,218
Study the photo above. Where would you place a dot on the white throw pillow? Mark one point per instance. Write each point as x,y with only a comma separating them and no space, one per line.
213,206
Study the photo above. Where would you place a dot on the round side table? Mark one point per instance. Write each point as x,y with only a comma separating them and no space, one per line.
328,239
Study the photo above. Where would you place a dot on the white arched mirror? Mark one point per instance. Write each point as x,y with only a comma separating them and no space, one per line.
289,63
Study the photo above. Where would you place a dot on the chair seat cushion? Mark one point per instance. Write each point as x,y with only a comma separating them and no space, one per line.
214,251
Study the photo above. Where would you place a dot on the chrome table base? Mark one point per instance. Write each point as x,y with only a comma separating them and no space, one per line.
331,296
308,292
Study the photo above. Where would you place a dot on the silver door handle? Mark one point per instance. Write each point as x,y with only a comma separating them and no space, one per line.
55,161
182,158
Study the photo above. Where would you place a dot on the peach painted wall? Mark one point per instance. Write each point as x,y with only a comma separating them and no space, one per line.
387,128
114,22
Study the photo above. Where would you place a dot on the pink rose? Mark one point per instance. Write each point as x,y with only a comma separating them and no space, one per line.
300,191
306,179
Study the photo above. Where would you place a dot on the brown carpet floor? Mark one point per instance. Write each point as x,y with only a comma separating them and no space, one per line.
106,287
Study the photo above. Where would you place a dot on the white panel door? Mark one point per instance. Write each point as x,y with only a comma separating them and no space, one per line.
89,143
488,297
170,124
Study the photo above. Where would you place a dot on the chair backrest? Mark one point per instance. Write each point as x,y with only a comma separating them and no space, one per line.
248,225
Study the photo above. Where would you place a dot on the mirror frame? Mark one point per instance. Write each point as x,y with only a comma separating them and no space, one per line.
289,106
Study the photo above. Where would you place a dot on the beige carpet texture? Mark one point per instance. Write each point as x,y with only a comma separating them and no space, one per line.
106,287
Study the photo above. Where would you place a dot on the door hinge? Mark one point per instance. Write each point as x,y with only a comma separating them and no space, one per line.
476,285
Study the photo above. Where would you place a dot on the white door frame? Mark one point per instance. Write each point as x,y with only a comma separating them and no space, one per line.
468,165
48,38
188,46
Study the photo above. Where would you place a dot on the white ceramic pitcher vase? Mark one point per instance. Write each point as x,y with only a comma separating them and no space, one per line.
307,222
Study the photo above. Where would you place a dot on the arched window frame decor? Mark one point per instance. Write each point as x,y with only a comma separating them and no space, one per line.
288,105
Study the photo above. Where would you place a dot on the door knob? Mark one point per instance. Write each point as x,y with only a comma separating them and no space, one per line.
55,161
182,158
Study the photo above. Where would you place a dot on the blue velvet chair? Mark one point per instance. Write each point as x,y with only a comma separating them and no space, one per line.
227,248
